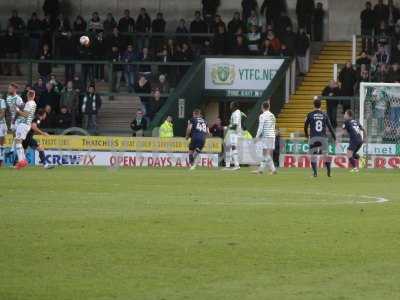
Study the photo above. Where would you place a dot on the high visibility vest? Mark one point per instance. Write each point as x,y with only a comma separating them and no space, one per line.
247,135
167,130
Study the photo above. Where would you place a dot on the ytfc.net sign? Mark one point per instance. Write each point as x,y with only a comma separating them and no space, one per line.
240,75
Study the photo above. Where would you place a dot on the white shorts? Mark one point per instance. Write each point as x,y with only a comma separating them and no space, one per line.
268,143
3,130
21,131
233,139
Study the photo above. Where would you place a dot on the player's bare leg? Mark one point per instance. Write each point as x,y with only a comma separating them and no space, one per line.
42,158
228,156
235,158
22,163
267,162
328,164
1,150
314,161
193,155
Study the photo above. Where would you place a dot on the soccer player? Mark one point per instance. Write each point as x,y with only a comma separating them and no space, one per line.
197,130
234,133
354,130
23,126
30,140
3,128
318,122
266,133
13,102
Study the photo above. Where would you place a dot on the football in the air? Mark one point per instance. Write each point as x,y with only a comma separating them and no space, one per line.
84,40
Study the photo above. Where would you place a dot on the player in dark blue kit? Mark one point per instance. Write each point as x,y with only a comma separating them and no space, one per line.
315,129
354,130
197,131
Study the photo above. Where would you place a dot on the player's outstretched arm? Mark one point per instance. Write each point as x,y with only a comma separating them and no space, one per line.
37,130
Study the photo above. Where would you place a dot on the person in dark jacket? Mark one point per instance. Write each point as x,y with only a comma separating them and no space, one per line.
12,48
220,41
34,27
68,51
156,102
139,124
348,78
109,24
16,21
85,53
182,29
240,47
210,8
143,86
80,24
395,54
45,69
363,60
394,74
393,15
158,26
91,105
51,8
126,23
99,53
247,7
318,22
381,12
235,24
198,26
272,10
63,120
305,12
302,44
49,97
217,130
143,26
368,22
289,38
332,90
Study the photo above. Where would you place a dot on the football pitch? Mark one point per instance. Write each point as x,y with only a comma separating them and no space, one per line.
138,234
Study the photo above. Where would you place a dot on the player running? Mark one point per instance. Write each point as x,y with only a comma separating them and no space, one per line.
23,126
30,140
197,130
3,128
318,122
266,133
354,130
234,133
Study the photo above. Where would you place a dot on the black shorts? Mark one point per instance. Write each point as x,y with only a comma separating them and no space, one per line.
30,142
197,144
355,146
319,145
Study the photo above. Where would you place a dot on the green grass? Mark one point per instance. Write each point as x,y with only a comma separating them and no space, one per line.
138,234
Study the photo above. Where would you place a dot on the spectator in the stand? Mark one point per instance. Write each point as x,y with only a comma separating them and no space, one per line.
266,48
272,10
16,21
348,79
115,40
393,13
395,54
240,47
235,24
254,39
109,24
143,26
91,104
206,49
12,49
181,29
143,86
364,60
318,23
275,43
34,27
381,56
198,26
383,35
156,102
217,130
247,7
86,54
139,124
161,84
68,47
129,56
95,23
158,26
185,54
49,97
218,22
332,90
51,8
394,73
167,128
381,12
79,24
117,68
220,41
39,87
368,22
49,122
164,56
70,99
63,119
62,23
284,22
99,53
45,69
365,76
289,38
381,74
126,23
57,85
210,8
302,45
252,20
78,84
305,11
144,56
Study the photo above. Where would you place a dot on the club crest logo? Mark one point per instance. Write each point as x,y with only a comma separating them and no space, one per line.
223,74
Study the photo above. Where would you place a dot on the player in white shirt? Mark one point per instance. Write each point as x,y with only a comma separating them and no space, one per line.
23,126
266,134
3,128
234,134
13,102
